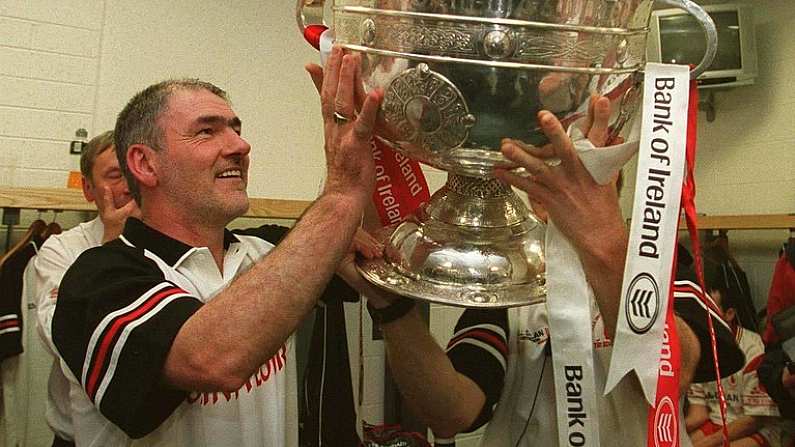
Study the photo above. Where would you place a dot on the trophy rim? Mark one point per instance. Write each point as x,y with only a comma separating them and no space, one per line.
386,276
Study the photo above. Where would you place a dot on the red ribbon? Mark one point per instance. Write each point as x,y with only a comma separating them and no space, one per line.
663,419
312,34
689,204
400,186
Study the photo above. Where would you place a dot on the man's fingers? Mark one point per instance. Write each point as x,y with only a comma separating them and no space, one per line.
557,136
534,190
131,209
358,85
107,198
365,122
366,245
586,126
599,130
328,91
517,154
344,99
545,151
316,73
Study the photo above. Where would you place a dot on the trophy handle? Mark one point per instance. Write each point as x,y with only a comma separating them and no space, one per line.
706,24
309,15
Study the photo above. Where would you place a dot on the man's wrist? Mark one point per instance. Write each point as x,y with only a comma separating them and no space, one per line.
392,312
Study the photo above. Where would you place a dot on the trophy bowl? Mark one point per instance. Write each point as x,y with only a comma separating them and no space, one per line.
458,77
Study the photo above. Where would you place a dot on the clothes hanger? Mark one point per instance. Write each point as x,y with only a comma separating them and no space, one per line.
35,229
53,227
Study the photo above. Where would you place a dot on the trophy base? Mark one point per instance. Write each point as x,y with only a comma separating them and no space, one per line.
475,244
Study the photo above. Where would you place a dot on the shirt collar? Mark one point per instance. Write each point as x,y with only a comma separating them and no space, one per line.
167,248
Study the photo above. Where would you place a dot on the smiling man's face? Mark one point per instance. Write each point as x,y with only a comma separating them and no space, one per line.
204,163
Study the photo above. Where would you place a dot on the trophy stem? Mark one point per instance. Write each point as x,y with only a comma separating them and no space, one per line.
475,244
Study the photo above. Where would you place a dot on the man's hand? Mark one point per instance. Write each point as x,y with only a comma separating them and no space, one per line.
113,218
349,159
566,190
366,245
587,213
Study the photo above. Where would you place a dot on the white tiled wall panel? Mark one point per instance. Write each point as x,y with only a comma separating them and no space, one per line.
78,13
66,40
46,95
15,33
49,56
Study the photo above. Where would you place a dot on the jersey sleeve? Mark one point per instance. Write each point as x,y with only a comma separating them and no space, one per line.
695,314
756,401
696,394
49,265
114,325
479,350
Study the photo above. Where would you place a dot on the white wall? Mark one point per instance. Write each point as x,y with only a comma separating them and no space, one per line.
49,52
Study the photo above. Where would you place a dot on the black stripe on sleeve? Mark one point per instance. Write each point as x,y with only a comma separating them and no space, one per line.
112,279
481,365
694,313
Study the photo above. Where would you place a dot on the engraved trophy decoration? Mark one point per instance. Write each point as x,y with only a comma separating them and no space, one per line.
460,75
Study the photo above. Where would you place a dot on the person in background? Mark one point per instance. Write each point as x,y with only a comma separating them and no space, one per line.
777,371
103,185
180,332
751,416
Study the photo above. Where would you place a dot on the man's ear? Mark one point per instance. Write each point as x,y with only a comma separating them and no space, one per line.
140,163
88,190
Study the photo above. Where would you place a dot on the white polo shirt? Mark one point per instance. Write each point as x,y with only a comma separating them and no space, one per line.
119,309
54,257
744,396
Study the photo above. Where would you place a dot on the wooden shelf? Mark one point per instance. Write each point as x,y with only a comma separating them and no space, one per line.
72,200
746,222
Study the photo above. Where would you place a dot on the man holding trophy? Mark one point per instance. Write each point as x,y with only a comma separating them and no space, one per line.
505,95
466,386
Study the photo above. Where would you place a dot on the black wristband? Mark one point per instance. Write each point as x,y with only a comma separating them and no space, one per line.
394,311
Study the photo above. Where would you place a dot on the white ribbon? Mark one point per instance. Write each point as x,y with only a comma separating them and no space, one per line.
655,218
569,307
326,43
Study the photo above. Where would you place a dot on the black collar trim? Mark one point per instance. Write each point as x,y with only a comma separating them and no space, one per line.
167,248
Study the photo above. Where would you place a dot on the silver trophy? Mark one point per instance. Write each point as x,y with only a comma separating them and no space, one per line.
460,75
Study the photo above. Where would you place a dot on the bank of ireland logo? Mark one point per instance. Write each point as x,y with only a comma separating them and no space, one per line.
666,430
642,303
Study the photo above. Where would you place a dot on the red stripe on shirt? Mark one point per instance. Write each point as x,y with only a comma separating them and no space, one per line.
683,287
118,324
486,336
9,323
753,365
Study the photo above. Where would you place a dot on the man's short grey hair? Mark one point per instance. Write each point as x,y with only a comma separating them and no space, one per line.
137,122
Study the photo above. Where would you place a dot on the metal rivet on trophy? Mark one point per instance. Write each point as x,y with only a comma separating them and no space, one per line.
497,44
368,32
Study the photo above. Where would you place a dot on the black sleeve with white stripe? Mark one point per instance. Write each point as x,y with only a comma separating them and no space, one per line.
114,324
694,313
479,350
